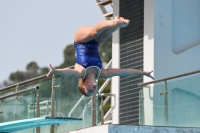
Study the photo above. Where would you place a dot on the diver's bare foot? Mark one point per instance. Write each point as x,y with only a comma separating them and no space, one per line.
120,22
116,21
125,21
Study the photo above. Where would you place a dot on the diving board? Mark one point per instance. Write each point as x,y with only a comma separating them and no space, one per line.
17,125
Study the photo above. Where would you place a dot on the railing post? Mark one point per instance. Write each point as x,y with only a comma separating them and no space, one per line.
16,90
166,103
141,102
102,111
94,108
52,101
37,106
1,102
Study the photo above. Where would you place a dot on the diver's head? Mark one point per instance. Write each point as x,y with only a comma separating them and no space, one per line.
87,86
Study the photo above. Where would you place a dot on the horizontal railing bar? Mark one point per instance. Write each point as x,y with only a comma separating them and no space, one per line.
169,78
17,93
26,81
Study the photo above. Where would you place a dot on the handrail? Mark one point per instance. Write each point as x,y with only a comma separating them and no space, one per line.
19,92
169,78
100,90
27,81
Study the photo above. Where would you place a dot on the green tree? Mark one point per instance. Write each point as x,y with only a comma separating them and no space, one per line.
69,56
18,76
32,67
44,70
105,50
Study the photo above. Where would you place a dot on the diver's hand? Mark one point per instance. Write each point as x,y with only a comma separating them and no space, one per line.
50,71
148,74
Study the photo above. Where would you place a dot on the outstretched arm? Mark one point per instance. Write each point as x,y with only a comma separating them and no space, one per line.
108,73
63,72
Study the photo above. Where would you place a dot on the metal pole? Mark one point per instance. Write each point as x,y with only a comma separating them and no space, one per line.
141,99
102,111
28,81
16,93
37,106
102,104
97,103
94,109
1,102
52,101
166,103
15,102
169,78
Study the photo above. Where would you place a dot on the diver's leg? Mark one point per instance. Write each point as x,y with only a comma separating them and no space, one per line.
108,32
87,33
105,35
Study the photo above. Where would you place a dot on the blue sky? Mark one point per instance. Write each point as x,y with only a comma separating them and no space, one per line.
39,30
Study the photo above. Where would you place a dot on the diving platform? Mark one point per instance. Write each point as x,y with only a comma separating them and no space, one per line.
12,126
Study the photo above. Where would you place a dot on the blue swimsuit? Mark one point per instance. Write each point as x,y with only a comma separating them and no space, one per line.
87,55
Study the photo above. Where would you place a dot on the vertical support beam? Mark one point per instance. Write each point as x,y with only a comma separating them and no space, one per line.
148,57
94,108
52,101
37,106
97,103
1,103
166,103
102,111
115,64
141,98
16,90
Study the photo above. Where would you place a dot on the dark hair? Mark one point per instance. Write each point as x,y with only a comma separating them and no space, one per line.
81,87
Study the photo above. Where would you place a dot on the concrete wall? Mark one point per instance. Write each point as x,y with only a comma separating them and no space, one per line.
177,37
173,49
148,58
115,64
135,129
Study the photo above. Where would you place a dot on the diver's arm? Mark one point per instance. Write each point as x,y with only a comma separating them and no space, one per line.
108,73
64,72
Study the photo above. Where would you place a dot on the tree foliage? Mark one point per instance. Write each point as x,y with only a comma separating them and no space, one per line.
32,71
32,67
69,56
